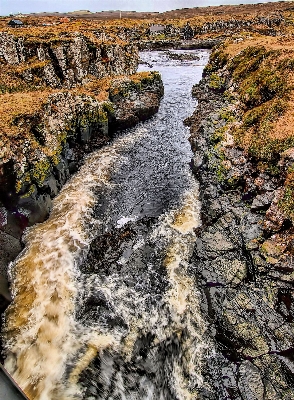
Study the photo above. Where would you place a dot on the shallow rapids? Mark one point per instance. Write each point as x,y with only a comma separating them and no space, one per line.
103,305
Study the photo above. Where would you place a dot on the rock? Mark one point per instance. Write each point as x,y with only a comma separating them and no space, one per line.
275,217
262,201
10,248
68,61
69,126
243,263
250,382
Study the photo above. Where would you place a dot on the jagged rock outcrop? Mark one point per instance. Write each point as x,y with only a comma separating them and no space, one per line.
271,21
198,33
132,105
163,44
243,254
37,163
65,61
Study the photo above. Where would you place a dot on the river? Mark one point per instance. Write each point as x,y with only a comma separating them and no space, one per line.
103,305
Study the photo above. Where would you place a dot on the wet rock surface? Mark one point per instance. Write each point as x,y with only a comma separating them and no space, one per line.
73,126
157,44
115,253
243,261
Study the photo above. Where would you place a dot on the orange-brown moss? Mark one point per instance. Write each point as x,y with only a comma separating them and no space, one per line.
263,72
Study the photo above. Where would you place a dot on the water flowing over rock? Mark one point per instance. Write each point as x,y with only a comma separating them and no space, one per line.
109,308
68,126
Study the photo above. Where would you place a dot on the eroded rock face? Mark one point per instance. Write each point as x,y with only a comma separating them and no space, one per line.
67,61
131,105
66,128
243,262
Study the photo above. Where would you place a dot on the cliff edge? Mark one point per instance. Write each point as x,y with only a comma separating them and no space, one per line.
242,136
62,97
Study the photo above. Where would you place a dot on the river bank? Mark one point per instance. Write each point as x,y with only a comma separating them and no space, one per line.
131,287
61,99
243,253
110,302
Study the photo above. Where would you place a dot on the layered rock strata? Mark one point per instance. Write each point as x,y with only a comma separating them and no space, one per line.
64,60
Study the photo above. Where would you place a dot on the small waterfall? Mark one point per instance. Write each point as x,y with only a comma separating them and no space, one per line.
42,335
103,304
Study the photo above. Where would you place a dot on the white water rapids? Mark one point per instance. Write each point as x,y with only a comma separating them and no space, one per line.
144,336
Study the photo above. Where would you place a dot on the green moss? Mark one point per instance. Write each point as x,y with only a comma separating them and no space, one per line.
229,96
260,121
30,191
91,47
40,171
227,115
221,172
261,86
287,202
218,59
218,135
216,82
108,108
248,61
55,158
215,159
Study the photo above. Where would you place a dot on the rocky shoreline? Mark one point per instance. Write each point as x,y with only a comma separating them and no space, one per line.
243,255
72,127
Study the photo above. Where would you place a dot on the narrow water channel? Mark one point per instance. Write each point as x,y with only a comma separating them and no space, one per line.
103,305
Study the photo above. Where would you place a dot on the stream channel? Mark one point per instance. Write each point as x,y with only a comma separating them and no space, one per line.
103,305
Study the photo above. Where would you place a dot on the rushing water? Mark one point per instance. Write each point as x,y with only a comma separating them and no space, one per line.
103,305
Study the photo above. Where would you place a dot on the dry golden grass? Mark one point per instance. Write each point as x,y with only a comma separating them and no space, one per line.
284,126
57,31
269,42
110,23
13,105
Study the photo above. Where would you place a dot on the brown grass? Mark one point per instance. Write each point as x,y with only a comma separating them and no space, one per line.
110,22
17,104
270,43
13,105
284,126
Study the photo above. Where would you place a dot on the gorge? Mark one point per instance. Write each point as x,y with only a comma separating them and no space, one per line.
157,259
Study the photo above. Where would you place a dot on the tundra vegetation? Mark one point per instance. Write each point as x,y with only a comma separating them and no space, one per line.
36,59
261,74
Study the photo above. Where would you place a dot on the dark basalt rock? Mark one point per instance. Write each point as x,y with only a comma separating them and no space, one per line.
247,286
179,44
133,103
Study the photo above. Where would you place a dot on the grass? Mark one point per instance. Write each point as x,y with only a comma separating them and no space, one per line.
286,203
262,72
22,126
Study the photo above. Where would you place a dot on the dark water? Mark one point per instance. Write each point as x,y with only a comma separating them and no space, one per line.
154,174
115,314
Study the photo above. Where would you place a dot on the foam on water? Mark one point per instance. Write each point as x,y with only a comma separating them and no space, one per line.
42,335
53,350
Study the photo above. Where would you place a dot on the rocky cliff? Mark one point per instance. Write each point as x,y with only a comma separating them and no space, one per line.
62,60
243,142
63,95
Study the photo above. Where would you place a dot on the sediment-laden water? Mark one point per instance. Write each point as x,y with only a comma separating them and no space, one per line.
103,305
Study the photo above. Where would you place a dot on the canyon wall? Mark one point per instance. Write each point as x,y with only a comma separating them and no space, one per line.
243,257
64,60
61,99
